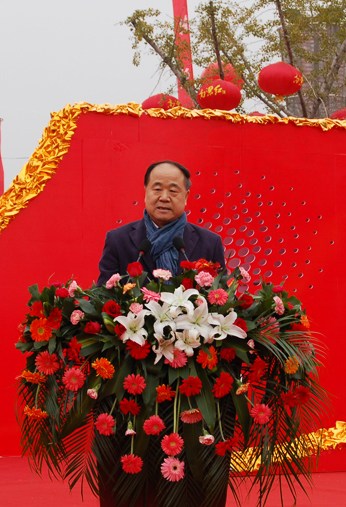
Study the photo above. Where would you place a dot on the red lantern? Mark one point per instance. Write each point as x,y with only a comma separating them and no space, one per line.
280,79
255,113
212,72
219,94
162,100
340,114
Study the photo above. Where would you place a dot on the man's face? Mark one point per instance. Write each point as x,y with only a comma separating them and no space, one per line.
165,194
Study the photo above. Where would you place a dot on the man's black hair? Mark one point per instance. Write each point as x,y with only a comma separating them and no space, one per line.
183,169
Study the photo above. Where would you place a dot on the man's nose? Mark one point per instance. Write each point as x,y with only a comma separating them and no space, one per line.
164,195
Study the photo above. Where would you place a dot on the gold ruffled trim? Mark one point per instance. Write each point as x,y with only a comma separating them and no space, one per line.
56,140
312,444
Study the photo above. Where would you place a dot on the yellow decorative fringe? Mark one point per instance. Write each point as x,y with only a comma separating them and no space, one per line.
56,140
312,444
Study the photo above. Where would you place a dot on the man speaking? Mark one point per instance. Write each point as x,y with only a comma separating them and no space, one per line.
163,237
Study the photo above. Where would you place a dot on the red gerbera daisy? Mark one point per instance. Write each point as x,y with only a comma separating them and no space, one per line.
257,370
302,395
154,425
135,350
40,330
223,385
105,424
179,359
129,407
191,416
261,413
191,386
172,444
131,464
73,379
227,354
47,363
207,358
164,393
134,384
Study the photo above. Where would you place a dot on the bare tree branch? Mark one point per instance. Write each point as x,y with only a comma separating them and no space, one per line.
215,40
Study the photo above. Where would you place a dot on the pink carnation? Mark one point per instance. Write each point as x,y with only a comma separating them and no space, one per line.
204,279
72,288
113,281
149,295
245,275
92,393
76,316
136,308
279,306
206,439
164,274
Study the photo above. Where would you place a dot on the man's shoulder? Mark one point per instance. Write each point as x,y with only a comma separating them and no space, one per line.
124,229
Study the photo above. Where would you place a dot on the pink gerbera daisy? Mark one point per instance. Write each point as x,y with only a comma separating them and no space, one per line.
149,295
73,379
172,469
154,425
131,464
217,297
47,363
261,413
191,416
179,359
172,444
105,424
134,384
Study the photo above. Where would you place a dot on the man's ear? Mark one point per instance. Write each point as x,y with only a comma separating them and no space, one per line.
187,195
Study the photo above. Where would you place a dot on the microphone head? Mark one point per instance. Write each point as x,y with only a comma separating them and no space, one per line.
179,244
145,246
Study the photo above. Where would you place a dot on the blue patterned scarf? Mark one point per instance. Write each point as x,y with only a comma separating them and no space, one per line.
165,255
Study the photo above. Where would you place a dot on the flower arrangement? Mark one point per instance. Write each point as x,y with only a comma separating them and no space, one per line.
167,384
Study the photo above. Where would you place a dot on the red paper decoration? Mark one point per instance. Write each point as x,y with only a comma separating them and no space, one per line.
219,94
280,79
162,100
211,73
256,113
340,114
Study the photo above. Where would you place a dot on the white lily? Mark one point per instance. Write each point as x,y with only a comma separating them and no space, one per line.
188,340
179,299
165,348
162,316
224,326
134,322
197,319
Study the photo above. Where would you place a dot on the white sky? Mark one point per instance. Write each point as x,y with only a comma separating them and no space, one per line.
54,53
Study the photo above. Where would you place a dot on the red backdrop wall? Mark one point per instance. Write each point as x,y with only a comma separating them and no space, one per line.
274,191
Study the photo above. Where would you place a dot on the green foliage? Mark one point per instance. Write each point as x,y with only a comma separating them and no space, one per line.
310,35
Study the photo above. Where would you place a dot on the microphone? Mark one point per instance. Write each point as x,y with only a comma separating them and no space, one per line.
144,247
179,244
